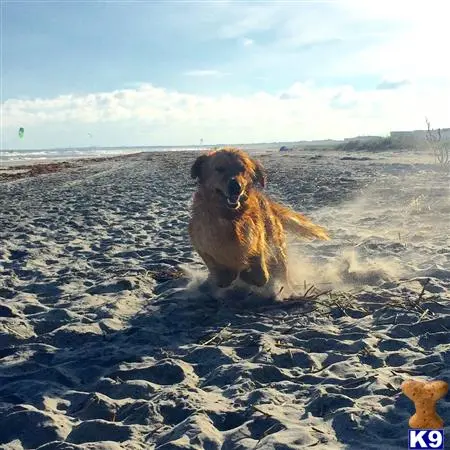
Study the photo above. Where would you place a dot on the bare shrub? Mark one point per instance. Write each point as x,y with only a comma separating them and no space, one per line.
441,149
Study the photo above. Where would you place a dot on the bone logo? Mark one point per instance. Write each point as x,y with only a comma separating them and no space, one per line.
426,427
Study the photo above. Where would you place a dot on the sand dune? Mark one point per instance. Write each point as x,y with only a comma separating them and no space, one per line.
107,340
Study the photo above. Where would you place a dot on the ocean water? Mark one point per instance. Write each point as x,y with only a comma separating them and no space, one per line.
21,157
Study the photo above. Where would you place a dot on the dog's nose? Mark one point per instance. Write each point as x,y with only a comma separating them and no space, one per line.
234,188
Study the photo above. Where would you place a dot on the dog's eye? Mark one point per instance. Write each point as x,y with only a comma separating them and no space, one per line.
220,169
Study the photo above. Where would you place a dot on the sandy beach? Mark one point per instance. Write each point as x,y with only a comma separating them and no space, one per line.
107,342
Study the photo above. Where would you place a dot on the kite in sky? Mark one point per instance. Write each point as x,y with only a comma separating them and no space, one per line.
21,132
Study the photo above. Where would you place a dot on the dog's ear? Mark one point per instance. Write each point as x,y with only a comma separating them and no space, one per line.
196,169
260,174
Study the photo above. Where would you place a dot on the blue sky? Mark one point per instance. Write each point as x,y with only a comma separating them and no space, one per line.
162,73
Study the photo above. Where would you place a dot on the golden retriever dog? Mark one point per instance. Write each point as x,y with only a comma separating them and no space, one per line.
237,229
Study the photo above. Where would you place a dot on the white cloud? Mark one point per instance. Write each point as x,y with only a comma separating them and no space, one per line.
240,19
155,116
392,84
205,73
409,42
400,49
386,39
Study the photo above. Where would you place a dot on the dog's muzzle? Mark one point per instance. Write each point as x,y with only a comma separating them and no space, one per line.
234,193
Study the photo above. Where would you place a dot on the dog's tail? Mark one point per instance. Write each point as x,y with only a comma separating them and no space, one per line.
298,224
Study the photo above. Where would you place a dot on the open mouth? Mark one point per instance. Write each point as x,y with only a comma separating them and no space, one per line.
232,201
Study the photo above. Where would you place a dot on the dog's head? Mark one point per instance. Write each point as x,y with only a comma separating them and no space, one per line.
228,174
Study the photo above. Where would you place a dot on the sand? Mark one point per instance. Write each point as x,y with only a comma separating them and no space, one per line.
108,341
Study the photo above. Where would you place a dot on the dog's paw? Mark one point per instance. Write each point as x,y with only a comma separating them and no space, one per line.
225,278
255,276
224,285
205,287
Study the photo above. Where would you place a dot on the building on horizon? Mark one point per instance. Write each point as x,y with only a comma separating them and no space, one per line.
418,136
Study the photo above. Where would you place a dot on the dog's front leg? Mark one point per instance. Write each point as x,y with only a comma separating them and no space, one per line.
279,268
221,276
257,273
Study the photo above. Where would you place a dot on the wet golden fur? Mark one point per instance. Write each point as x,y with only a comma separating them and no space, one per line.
248,239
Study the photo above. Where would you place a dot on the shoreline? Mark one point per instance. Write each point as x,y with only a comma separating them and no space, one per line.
20,171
